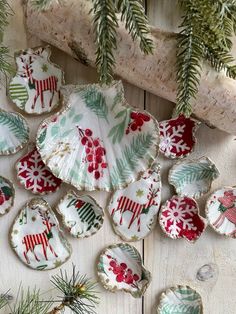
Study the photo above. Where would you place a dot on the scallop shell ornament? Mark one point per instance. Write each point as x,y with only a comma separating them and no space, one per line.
193,178
7,194
179,218
35,88
98,142
180,300
36,238
134,209
14,132
81,215
120,268
221,211
177,136
34,176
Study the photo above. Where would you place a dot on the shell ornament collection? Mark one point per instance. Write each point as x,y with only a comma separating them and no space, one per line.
98,142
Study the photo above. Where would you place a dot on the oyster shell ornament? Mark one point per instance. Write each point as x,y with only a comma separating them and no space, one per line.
14,132
82,216
134,209
98,142
35,88
36,238
177,136
180,300
179,218
221,211
34,176
193,178
120,269
7,194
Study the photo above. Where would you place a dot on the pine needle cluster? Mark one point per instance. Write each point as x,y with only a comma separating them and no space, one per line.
206,31
106,24
77,293
5,11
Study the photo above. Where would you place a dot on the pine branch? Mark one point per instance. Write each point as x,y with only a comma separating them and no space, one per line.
221,60
208,26
190,51
78,293
44,4
105,21
136,23
5,66
4,298
30,303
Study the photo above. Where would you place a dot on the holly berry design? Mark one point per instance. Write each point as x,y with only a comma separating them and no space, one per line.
95,152
6,195
179,218
177,138
34,175
137,119
122,272
120,268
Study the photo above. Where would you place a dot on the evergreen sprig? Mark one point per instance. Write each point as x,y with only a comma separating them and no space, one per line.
5,12
132,12
78,293
207,29
106,24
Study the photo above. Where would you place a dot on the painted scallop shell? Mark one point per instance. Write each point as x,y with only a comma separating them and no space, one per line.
221,211
180,300
35,88
193,178
7,195
134,209
98,142
177,136
82,216
179,218
14,132
36,237
34,176
120,268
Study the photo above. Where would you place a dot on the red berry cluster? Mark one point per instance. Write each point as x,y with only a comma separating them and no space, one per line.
137,121
122,272
95,153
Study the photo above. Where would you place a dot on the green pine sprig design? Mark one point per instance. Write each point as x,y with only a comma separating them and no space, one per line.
125,165
189,173
131,251
16,125
95,101
117,131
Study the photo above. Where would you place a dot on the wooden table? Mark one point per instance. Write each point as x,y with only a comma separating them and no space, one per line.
170,262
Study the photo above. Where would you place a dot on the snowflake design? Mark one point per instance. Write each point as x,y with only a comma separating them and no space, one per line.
179,218
176,136
34,175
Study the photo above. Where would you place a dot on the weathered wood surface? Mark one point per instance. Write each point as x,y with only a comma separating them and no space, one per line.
69,27
171,262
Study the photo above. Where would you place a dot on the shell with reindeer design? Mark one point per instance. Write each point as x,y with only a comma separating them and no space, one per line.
36,238
134,210
35,88
221,211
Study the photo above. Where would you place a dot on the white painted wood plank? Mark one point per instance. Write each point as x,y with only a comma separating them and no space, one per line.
176,261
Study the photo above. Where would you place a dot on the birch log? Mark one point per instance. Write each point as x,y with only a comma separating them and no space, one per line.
68,26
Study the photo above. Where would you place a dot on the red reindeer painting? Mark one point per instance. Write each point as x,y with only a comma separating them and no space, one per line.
33,240
125,204
48,84
228,210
